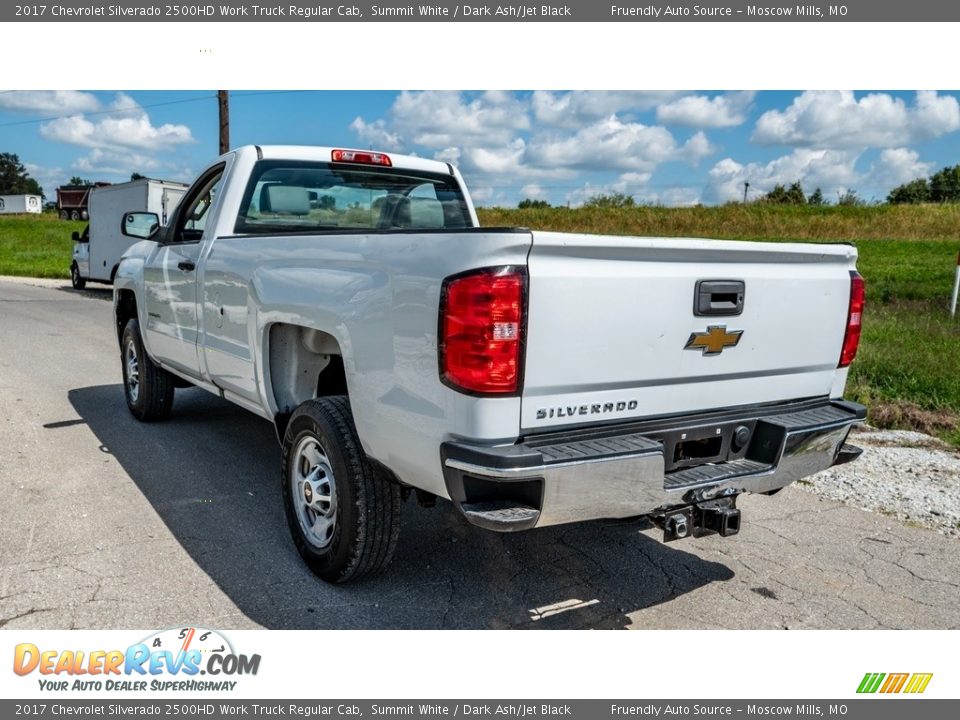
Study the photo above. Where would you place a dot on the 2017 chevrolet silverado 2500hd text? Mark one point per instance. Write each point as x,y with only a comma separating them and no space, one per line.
531,378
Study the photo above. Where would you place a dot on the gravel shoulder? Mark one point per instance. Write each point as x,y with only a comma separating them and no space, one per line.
907,475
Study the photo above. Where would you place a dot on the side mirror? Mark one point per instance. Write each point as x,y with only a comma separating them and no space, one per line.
142,225
75,236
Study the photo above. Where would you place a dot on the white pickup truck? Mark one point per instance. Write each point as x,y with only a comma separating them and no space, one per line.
532,378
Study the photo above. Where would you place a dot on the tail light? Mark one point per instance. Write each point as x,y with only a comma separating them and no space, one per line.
360,156
851,338
482,331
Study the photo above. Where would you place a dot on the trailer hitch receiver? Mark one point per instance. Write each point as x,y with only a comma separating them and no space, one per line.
718,516
705,518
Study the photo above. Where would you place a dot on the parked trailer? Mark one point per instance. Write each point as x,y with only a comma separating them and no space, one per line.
73,200
15,204
97,251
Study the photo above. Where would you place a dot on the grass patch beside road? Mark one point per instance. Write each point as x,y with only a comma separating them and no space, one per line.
908,367
37,245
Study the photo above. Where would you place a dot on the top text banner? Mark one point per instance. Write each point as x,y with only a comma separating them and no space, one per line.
449,11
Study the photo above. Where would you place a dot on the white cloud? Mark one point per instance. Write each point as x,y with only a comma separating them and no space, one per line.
831,170
450,155
376,134
696,148
102,162
837,120
674,197
60,102
533,191
612,144
493,139
896,166
834,171
443,119
636,185
49,178
481,194
128,126
574,109
496,160
700,111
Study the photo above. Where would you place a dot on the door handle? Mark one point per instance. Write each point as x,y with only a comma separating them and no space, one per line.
187,265
718,297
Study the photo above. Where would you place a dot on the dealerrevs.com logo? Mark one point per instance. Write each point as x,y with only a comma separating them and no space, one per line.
168,660
911,683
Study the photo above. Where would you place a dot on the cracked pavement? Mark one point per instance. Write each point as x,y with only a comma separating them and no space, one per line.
109,523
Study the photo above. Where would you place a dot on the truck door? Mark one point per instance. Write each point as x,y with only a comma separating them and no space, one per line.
170,278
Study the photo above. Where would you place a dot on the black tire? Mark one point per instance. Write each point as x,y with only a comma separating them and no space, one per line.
64,215
150,397
76,279
74,215
366,504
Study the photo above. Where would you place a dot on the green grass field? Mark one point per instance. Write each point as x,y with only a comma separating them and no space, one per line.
36,245
908,368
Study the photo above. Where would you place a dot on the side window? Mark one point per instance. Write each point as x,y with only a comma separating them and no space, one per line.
195,210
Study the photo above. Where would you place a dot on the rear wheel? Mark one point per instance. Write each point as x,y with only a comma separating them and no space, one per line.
74,215
64,215
343,512
76,279
147,386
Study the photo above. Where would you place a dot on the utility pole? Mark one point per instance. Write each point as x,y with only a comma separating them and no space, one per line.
746,186
223,100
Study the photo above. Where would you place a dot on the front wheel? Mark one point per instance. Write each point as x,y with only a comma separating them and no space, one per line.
147,386
76,279
343,513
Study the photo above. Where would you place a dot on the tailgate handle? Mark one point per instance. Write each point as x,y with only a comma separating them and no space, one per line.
718,297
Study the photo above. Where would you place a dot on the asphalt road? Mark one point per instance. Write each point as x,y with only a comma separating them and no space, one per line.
109,523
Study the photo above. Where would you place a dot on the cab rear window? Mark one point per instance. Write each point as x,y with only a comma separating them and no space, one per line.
288,196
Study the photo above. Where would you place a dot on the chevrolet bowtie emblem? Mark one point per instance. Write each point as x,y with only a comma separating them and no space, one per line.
714,340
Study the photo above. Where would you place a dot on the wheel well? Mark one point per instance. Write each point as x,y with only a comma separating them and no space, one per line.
126,310
304,363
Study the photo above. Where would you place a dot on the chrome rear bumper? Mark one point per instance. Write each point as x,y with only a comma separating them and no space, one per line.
641,468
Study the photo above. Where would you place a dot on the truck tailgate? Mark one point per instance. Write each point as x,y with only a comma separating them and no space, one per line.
610,319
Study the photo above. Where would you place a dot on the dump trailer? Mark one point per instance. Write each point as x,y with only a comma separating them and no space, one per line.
73,201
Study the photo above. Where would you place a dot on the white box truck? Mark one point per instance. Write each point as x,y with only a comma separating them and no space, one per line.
15,204
97,251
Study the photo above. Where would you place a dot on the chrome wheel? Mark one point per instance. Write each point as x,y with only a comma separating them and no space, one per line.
132,366
313,491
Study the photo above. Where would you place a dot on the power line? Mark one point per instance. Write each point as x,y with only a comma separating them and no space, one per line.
114,111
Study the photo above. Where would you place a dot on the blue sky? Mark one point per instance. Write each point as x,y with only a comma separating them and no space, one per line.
672,148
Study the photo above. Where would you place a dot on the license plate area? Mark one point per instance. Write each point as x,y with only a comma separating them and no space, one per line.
700,450
689,447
